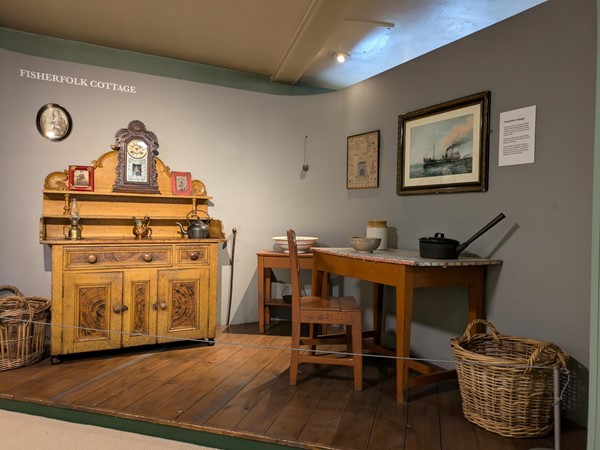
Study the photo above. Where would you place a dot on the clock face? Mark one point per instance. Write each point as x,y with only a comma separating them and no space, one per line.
137,163
136,148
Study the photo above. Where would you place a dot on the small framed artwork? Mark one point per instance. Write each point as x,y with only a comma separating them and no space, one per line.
363,161
182,183
81,178
444,148
54,122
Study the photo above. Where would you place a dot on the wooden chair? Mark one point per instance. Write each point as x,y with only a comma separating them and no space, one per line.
323,311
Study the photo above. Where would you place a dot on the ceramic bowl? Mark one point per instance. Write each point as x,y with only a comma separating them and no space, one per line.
364,244
304,243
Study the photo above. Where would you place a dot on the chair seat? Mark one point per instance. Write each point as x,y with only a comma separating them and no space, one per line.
341,304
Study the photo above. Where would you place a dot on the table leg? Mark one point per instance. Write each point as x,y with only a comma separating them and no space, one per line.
377,311
476,298
404,301
269,276
320,280
261,295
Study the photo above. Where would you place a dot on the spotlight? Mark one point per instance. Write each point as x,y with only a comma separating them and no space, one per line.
341,57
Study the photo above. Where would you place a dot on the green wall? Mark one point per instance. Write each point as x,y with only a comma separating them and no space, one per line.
79,52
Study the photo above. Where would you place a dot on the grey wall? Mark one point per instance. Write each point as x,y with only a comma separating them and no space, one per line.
544,57
248,149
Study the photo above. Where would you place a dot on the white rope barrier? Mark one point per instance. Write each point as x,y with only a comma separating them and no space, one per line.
276,347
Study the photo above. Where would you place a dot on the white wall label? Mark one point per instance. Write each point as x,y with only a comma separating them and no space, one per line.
517,137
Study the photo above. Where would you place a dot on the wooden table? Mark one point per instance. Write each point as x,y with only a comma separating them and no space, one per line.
268,260
405,270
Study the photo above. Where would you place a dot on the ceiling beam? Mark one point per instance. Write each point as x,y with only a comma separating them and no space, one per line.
321,20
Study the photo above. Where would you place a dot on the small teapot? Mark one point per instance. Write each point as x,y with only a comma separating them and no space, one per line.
198,229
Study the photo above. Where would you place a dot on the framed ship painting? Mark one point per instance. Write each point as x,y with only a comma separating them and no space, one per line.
444,148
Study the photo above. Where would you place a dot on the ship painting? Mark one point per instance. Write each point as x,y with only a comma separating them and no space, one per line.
449,159
453,154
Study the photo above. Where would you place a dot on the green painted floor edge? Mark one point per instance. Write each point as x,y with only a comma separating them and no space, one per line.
138,427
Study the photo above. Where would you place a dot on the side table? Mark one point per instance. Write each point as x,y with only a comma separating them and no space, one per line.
267,261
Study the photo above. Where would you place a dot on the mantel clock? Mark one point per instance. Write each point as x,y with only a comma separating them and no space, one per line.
136,165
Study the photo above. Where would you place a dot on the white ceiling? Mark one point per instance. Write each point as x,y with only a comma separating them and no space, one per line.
290,41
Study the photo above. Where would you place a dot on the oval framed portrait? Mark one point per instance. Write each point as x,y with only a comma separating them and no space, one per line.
54,122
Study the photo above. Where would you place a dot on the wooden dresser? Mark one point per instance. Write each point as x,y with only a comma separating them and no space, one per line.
110,290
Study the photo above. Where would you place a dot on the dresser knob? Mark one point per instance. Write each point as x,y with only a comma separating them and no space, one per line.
194,256
120,308
92,259
148,257
161,305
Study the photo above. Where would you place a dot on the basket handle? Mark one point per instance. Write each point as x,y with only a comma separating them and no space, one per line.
491,329
13,289
538,351
11,307
11,302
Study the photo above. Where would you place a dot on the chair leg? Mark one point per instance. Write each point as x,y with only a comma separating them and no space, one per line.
295,357
357,350
349,330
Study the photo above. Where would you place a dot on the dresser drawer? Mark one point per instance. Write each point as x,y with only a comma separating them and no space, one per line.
192,254
118,257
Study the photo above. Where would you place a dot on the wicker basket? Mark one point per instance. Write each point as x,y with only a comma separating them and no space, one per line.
22,328
506,383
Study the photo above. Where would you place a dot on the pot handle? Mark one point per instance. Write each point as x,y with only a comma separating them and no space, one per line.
493,222
191,213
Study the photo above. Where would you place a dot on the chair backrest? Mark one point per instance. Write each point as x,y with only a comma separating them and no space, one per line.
294,274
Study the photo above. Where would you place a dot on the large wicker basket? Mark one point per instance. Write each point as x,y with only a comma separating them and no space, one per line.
506,383
22,328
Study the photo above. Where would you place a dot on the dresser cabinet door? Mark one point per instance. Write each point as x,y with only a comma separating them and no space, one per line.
139,316
183,304
92,311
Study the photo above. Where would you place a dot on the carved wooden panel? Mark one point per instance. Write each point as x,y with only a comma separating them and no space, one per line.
140,307
92,312
183,304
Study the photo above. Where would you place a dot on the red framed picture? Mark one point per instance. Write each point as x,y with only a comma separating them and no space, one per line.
181,183
81,178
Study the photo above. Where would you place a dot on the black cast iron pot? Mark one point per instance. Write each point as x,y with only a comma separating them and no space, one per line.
440,247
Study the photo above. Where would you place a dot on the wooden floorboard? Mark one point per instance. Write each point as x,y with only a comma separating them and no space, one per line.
240,387
455,432
325,419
